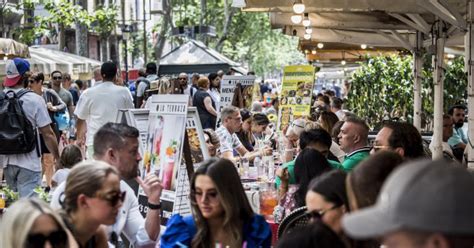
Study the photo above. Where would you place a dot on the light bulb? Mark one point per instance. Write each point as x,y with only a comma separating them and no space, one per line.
306,21
296,19
343,62
306,51
308,30
313,52
298,8
320,45
450,63
363,46
307,36
451,56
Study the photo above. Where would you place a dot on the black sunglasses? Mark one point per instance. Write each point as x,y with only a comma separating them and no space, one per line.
57,78
57,239
113,199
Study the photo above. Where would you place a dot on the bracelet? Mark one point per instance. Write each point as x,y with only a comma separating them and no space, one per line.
154,206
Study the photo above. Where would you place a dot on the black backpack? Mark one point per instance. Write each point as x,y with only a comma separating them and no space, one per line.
17,134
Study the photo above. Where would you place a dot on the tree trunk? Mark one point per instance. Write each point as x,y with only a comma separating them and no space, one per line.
82,40
114,49
104,48
202,22
160,44
228,13
62,37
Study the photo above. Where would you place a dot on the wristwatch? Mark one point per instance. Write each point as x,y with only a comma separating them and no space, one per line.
154,206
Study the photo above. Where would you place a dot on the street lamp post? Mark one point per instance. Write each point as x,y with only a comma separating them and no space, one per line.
126,36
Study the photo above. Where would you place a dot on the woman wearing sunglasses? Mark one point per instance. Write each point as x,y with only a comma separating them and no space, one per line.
32,223
327,201
222,215
92,198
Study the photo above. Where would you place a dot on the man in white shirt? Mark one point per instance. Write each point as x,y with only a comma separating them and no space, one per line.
99,105
117,144
23,171
144,84
232,123
336,108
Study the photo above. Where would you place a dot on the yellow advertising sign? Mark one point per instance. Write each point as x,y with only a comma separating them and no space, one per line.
296,92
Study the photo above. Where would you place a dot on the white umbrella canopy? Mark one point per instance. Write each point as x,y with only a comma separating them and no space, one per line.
48,60
10,48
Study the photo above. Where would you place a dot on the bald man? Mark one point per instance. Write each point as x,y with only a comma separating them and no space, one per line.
97,77
353,141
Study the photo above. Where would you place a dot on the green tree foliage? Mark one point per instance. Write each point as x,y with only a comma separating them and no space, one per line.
66,14
252,40
382,88
249,39
104,20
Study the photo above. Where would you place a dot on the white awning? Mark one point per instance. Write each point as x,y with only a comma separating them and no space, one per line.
48,60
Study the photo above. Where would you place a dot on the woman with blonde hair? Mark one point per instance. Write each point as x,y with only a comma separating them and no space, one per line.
32,223
327,120
205,105
221,213
92,198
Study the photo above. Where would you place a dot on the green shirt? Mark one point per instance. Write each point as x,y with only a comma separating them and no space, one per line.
291,171
354,158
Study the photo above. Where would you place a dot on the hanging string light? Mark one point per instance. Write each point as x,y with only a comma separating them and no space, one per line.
298,7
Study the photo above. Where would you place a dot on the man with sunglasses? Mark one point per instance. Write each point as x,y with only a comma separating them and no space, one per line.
64,94
117,144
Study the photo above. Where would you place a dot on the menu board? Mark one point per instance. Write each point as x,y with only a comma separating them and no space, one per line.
199,154
228,87
164,143
296,93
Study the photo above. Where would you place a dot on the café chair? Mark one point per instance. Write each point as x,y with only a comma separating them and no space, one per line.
298,218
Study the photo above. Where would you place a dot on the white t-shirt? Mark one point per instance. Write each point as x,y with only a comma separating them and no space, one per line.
100,104
340,114
216,96
141,88
61,175
36,111
228,141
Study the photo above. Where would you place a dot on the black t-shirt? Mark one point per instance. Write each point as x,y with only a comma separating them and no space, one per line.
207,119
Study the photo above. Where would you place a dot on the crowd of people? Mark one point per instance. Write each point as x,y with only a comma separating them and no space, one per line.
355,191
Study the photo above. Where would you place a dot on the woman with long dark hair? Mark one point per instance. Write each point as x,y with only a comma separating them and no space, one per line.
245,133
215,89
308,165
327,199
221,213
